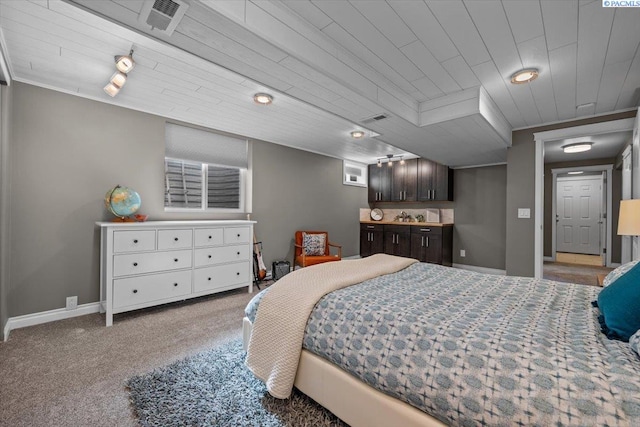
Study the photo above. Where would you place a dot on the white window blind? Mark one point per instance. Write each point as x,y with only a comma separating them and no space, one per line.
198,145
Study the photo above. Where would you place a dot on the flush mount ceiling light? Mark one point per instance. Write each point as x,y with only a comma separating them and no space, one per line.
357,134
524,76
125,63
263,98
578,147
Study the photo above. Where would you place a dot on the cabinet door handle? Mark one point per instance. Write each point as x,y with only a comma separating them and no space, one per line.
372,237
425,229
422,241
434,194
427,241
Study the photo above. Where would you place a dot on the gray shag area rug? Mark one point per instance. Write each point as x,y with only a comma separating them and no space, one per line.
214,388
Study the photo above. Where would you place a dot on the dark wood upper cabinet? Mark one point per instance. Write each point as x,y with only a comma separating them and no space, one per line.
404,181
421,180
435,181
379,184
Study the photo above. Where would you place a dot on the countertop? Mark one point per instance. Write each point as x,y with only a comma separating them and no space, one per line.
419,224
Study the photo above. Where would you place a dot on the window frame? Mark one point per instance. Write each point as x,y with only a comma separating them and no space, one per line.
364,169
204,202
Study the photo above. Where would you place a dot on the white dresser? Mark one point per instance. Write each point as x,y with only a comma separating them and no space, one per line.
156,262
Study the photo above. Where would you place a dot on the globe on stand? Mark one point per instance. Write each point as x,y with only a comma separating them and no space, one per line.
123,202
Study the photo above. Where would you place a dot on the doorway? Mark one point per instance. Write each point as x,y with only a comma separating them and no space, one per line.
580,212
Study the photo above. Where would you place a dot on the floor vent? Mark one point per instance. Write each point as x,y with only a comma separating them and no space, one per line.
375,118
162,15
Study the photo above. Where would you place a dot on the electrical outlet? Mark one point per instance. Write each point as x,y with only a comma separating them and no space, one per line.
463,253
72,303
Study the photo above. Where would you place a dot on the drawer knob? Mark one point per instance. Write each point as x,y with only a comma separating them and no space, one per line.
135,264
175,259
208,278
238,273
135,291
209,237
238,252
135,240
176,239
238,234
175,284
209,256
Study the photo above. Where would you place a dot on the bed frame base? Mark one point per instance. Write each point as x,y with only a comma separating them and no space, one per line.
351,400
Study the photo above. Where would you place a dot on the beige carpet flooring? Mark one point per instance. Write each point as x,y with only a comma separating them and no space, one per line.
72,372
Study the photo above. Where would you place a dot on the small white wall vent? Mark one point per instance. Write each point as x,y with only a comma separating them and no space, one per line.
162,15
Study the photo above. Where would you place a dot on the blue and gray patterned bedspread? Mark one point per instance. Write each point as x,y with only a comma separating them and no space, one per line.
477,349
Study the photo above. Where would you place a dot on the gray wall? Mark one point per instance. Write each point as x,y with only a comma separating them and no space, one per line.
298,190
616,193
66,152
480,209
520,192
479,215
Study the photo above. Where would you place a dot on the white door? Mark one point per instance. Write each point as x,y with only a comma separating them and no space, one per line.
579,213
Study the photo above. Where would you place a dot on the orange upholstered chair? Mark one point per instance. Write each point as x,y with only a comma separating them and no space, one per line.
314,248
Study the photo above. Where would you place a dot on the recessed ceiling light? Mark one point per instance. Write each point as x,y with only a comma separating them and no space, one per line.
577,148
575,173
263,98
357,134
524,76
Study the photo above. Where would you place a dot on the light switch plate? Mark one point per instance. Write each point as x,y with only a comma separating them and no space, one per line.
524,213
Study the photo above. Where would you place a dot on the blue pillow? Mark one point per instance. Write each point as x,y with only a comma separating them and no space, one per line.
619,305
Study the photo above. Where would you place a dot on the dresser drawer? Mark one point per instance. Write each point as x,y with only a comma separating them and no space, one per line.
223,254
209,236
175,239
134,241
220,276
433,231
144,289
124,265
237,235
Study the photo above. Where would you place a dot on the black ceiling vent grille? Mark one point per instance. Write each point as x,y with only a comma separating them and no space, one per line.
167,7
375,118
162,15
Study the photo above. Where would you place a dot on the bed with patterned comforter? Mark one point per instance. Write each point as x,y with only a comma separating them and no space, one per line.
478,349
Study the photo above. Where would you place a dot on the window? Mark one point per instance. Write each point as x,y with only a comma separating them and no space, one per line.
204,171
192,185
354,173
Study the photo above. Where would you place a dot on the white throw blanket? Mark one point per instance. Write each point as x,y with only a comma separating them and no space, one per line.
278,330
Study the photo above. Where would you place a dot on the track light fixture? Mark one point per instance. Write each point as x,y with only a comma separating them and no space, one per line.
389,159
124,64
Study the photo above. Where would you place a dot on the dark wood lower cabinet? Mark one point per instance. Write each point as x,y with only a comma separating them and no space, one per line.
432,244
424,243
371,239
397,240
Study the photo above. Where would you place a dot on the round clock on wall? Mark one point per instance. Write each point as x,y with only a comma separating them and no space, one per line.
376,214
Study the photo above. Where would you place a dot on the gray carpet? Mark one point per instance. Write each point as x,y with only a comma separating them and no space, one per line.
214,388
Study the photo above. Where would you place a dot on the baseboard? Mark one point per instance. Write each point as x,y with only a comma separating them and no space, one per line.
548,258
48,316
481,269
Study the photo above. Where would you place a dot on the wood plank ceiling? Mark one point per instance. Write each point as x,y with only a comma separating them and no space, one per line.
332,64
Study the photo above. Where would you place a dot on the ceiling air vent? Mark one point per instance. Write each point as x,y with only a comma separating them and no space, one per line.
162,15
375,118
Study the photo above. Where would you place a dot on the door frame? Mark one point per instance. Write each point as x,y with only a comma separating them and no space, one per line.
609,203
540,138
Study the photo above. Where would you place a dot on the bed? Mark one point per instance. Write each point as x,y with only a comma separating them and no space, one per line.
427,345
